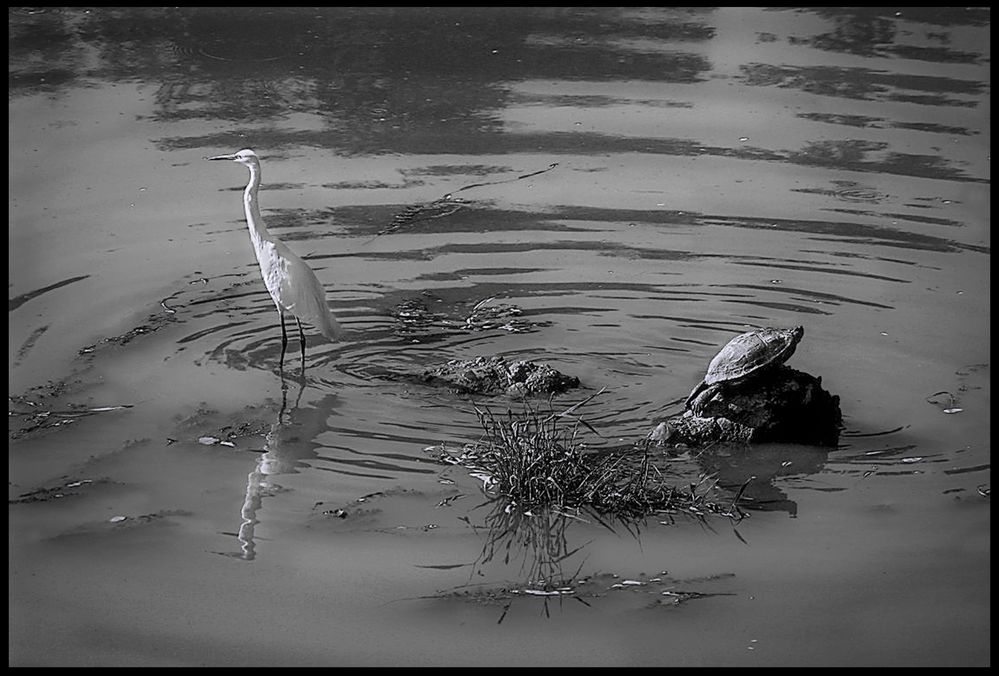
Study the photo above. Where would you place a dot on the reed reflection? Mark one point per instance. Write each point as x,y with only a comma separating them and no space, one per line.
550,559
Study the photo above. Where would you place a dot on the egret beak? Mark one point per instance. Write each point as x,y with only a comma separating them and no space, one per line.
222,157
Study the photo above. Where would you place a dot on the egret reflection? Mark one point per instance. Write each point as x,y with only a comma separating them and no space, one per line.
284,453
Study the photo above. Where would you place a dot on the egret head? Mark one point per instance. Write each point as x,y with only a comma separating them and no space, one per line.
245,157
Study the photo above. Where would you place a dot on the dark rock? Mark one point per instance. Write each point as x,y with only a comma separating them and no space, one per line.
494,375
784,405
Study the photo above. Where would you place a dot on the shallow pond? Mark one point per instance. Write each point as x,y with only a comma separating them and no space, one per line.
635,186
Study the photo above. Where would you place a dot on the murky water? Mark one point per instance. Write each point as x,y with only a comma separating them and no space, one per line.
717,169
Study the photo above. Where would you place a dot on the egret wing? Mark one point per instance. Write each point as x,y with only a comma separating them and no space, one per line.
302,294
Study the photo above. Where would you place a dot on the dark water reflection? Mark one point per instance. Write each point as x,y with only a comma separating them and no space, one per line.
638,185
875,32
433,80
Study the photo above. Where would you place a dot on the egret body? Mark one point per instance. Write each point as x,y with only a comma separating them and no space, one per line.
292,284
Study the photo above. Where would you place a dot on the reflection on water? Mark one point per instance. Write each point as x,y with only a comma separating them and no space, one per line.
535,545
861,83
291,446
278,458
876,31
547,567
763,467
355,70
15,303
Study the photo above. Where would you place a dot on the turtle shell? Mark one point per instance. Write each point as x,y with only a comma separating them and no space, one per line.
751,352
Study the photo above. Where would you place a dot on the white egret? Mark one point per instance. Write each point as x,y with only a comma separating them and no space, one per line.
290,281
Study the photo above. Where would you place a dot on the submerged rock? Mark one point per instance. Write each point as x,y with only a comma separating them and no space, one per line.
495,375
784,405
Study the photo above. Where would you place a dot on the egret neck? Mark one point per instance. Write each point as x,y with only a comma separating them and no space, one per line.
255,222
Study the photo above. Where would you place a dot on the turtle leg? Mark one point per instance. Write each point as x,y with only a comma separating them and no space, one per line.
697,405
693,394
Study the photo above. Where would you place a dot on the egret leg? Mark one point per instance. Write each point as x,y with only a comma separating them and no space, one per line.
284,341
284,400
301,338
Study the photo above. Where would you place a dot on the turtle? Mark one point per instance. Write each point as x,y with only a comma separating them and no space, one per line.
744,357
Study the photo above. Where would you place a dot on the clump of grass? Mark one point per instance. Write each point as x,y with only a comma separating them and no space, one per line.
537,462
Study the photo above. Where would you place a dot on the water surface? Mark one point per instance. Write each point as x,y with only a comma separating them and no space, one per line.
716,170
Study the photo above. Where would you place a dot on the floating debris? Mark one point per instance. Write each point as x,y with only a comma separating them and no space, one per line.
101,409
29,344
38,418
501,316
586,590
154,323
946,401
446,502
54,493
414,316
543,592
439,208
488,481
446,205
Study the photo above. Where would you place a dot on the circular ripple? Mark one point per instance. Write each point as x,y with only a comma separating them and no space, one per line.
860,195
